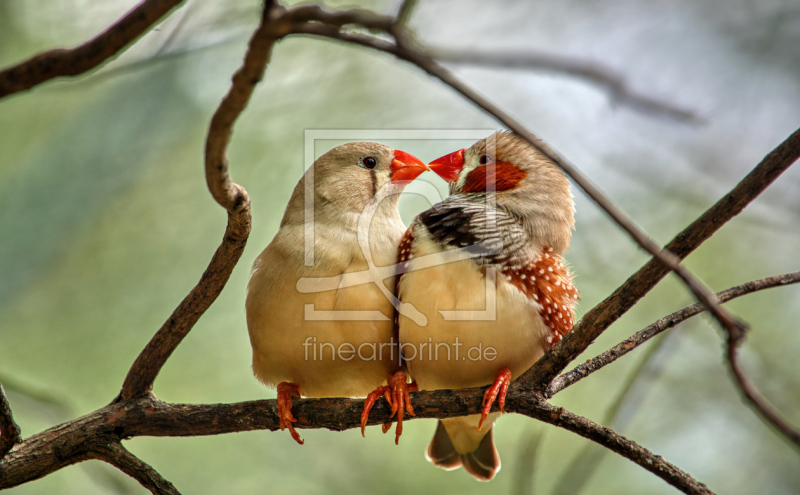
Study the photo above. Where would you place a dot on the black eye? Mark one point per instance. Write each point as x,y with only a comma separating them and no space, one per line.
369,162
484,159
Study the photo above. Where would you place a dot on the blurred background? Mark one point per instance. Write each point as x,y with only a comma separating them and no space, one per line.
106,224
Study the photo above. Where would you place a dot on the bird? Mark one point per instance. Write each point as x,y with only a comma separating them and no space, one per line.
299,346
511,210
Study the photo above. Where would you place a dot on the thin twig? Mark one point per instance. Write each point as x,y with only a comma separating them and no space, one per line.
118,456
601,75
583,370
10,434
361,17
638,381
229,195
755,400
534,406
404,13
599,318
83,58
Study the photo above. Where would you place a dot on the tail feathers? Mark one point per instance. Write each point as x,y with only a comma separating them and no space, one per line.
441,451
483,463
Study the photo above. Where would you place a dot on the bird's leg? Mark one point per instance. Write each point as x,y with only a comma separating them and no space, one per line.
500,386
286,391
396,393
373,396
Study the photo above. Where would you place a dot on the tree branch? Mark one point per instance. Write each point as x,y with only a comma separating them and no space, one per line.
75,61
84,437
593,72
599,318
10,434
534,406
229,195
118,456
583,370
404,13
757,403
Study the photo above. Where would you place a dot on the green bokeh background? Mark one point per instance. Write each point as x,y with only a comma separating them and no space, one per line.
106,224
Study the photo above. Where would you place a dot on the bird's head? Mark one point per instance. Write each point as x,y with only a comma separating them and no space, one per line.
525,182
347,177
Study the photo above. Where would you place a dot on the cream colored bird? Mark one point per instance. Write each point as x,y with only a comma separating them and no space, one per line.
515,300
300,346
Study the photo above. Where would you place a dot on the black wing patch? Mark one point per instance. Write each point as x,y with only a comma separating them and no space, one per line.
467,221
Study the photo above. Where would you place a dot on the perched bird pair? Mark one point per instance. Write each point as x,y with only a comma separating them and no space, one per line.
488,316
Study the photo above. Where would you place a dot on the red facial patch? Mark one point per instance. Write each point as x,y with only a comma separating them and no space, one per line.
503,175
549,284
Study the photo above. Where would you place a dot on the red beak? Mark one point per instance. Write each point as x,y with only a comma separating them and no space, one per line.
406,167
449,166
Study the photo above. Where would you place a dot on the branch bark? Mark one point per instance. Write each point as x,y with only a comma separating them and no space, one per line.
75,61
583,370
229,195
10,433
754,399
534,406
118,456
94,436
599,318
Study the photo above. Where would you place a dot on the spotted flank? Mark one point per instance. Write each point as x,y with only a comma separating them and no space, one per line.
403,255
466,221
547,283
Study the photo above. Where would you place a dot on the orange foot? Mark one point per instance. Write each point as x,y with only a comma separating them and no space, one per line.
286,391
500,385
396,394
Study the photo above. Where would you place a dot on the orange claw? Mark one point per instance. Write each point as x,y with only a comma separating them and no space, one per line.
373,396
396,394
500,385
286,391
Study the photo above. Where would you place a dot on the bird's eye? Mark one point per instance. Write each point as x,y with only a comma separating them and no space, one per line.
369,162
484,159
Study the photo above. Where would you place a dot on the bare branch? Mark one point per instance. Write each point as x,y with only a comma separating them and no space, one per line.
10,433
84,437
601,75
404,13
599,318
628,399
230,195
118,456
534,406
361,17
755,400
83,58
583,370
